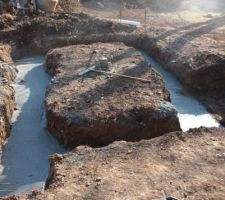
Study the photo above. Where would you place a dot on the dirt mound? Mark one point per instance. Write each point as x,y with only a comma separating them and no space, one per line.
96,108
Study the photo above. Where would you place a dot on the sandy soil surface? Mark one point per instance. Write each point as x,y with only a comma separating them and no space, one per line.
184,165
97,108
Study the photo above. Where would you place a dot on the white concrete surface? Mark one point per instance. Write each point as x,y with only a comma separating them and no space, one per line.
134,23
25,156
191,113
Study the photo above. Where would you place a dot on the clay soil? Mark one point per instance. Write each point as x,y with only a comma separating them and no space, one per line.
97,108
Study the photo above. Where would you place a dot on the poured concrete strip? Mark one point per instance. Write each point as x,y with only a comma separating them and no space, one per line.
191,113
134,23
25,156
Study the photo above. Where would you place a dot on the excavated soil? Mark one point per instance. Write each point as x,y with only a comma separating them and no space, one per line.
184,165
97,109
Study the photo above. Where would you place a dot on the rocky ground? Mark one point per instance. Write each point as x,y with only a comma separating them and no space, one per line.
96,108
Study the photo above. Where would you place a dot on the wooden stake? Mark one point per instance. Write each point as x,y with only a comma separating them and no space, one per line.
120,14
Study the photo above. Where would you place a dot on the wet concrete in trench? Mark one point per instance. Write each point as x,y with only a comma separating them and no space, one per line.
25,155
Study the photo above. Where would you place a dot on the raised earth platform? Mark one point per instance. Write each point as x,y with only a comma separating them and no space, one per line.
98,108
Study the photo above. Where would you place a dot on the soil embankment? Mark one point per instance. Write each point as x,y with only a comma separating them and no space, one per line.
96,108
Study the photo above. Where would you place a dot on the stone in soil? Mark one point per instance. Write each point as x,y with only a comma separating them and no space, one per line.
96,108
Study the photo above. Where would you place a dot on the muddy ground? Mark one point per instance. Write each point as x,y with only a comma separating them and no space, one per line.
96,108
193,51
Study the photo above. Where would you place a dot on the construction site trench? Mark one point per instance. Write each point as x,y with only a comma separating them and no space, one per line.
136,92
